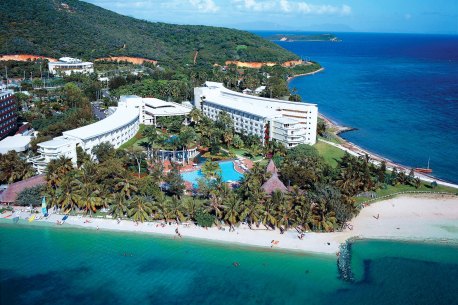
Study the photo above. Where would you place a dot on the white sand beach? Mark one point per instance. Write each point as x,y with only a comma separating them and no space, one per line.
432,218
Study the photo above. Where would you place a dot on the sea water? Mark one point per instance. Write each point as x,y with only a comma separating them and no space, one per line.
46,264
399,90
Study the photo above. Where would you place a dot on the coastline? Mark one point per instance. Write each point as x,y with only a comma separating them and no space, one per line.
410,218
356,150
305,74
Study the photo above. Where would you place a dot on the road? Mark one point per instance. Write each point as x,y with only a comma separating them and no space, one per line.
99,114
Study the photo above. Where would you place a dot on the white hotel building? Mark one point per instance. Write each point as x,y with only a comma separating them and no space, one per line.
116,129
290,123
68,65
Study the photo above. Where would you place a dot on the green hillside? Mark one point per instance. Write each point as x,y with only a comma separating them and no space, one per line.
78,29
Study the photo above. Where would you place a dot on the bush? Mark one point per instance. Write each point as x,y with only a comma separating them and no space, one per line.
31,196
204,219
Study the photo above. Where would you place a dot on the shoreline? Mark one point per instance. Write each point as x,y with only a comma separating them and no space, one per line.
431,218
356,150
304,74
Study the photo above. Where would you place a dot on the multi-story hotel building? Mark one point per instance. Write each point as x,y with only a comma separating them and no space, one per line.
67,65
152,108
290,123
116,129
8,117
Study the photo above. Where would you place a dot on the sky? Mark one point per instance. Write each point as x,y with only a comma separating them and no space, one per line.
383,16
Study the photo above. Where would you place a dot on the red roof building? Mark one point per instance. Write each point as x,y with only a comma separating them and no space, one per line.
10,194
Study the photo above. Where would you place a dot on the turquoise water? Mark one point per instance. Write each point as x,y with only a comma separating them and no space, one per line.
399,90
60,265
228,173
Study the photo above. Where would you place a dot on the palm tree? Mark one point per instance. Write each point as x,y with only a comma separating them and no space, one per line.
60,166
161,207
210,169
126,187
215,204
232,207
119,205
90,197
285,214
251,211
140,209
271,205
190,206
196,115
175,206
228,136
66,196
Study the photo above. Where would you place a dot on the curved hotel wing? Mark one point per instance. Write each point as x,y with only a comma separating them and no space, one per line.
116,129
291,123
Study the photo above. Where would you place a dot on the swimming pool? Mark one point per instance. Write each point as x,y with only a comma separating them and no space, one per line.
227,170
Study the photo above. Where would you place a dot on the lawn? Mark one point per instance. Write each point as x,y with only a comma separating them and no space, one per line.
330,153
244,153
135,139
425,187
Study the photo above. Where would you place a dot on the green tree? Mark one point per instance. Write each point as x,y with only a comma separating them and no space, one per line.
174,181
104,151
14,168
210,169
74,96
118,208
31,196
204,219
232,208
140,209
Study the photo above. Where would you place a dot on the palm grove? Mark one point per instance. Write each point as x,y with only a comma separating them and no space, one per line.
131,183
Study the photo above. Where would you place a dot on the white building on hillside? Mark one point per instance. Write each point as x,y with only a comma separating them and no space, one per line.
291,123
68,65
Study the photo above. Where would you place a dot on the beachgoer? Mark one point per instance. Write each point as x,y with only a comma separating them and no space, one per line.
97,227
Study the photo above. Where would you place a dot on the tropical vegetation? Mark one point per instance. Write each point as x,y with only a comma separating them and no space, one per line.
82,30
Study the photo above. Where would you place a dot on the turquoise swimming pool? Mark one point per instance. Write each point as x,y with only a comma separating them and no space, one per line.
227,169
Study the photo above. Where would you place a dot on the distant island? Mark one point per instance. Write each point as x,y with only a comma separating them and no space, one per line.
294,37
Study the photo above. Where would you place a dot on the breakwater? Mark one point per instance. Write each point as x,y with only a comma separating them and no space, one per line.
344,262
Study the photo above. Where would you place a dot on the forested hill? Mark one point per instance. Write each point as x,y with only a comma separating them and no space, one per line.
73,28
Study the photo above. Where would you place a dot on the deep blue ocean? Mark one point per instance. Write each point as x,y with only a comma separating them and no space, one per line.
399,90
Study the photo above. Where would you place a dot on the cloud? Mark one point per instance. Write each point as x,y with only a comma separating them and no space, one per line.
288,6
317,9
285,6
204,6
254,5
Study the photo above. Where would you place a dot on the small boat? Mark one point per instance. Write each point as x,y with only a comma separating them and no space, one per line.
424,170
31,218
